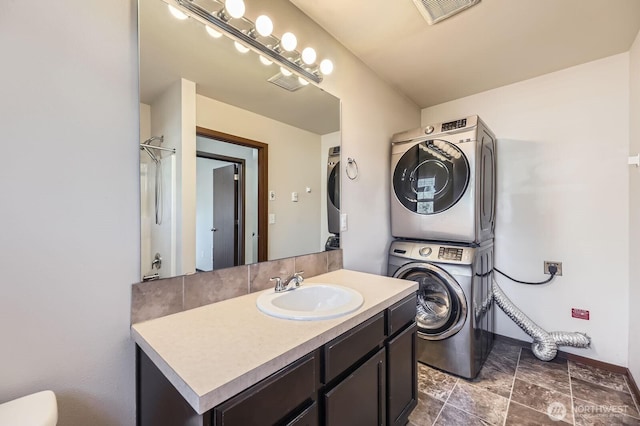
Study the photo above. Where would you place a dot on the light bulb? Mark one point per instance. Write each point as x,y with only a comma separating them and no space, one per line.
240,48
326,67
213,33
289,42
308,55
302,81
264,26
265,61
235,8
177,13
285,72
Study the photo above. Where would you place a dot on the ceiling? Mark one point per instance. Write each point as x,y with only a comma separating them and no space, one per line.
492,44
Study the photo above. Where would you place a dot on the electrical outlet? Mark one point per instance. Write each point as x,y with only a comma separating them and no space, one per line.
580,313
558,265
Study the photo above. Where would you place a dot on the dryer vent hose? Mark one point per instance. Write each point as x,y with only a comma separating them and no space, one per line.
545,344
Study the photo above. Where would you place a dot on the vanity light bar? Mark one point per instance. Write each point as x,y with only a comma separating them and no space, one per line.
207,17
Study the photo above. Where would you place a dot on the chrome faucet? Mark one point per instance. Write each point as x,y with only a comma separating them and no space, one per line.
290,283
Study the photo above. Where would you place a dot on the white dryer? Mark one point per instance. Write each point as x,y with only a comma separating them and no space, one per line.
443,182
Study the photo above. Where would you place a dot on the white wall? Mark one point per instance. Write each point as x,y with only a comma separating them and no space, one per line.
147,200
634,212
70,209
372,112
562,195
292,152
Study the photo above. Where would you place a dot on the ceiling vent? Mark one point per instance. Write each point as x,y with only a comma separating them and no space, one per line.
437,10
290,83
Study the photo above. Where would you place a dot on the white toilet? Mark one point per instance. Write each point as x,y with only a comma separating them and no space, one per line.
38,409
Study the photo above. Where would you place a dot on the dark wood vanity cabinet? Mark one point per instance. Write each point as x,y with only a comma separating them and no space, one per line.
366,376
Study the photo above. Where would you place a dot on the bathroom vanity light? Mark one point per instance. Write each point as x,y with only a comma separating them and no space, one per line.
228,18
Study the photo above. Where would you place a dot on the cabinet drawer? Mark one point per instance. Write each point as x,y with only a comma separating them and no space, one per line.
401,314
345,350
274,398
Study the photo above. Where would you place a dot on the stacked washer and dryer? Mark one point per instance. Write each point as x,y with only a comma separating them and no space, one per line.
443,217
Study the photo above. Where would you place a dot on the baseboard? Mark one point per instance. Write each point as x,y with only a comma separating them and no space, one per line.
633,386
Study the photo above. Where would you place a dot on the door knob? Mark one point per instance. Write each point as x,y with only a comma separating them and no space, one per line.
214,229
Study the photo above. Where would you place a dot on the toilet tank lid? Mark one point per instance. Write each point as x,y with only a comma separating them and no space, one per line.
38,409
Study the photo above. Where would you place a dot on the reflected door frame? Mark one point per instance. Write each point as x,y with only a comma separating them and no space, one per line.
263,158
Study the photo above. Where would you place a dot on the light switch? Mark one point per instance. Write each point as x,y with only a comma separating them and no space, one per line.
343,221
294,197
272,195
272,218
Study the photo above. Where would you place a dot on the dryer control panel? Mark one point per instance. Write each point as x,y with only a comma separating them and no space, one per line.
452,125
450,253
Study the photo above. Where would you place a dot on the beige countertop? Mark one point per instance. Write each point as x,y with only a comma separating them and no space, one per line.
213,352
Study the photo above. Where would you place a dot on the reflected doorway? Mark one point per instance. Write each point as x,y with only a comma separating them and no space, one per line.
230,200
220,211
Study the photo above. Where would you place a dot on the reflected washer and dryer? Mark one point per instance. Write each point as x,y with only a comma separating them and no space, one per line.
333,198
455,313
443,182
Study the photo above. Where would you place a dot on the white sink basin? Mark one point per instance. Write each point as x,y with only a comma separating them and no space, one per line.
310,302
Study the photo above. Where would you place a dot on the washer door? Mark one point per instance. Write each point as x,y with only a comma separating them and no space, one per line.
431,177
442,306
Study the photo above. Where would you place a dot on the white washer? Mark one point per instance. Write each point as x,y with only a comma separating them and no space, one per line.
455,314
443,182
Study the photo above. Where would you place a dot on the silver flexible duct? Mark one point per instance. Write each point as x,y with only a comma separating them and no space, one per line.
545,345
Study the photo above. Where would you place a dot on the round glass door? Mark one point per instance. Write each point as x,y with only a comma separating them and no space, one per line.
441,306
431,177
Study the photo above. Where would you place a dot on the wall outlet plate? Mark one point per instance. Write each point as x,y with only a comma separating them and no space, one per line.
558,265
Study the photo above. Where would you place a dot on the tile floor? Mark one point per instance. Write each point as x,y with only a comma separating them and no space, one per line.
515,388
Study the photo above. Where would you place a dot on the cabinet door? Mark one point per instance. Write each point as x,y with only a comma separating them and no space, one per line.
360,398
308,417
402,376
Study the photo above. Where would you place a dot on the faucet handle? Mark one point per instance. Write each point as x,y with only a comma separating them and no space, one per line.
278,281
298,277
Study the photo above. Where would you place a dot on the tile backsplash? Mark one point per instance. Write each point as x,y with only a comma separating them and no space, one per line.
154,299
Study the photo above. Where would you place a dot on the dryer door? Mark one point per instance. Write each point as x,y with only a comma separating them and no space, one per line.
431,177
442,305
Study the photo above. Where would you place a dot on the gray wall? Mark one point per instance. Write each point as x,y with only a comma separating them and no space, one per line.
70,240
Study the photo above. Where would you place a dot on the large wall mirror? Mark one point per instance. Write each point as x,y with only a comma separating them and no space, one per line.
234,169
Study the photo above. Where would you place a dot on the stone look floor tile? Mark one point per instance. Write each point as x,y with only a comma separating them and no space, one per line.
596,375
494,380
479,402
435,383
497,373
597,395
454,417
589,414
552,375
519,415
426,411
540,399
